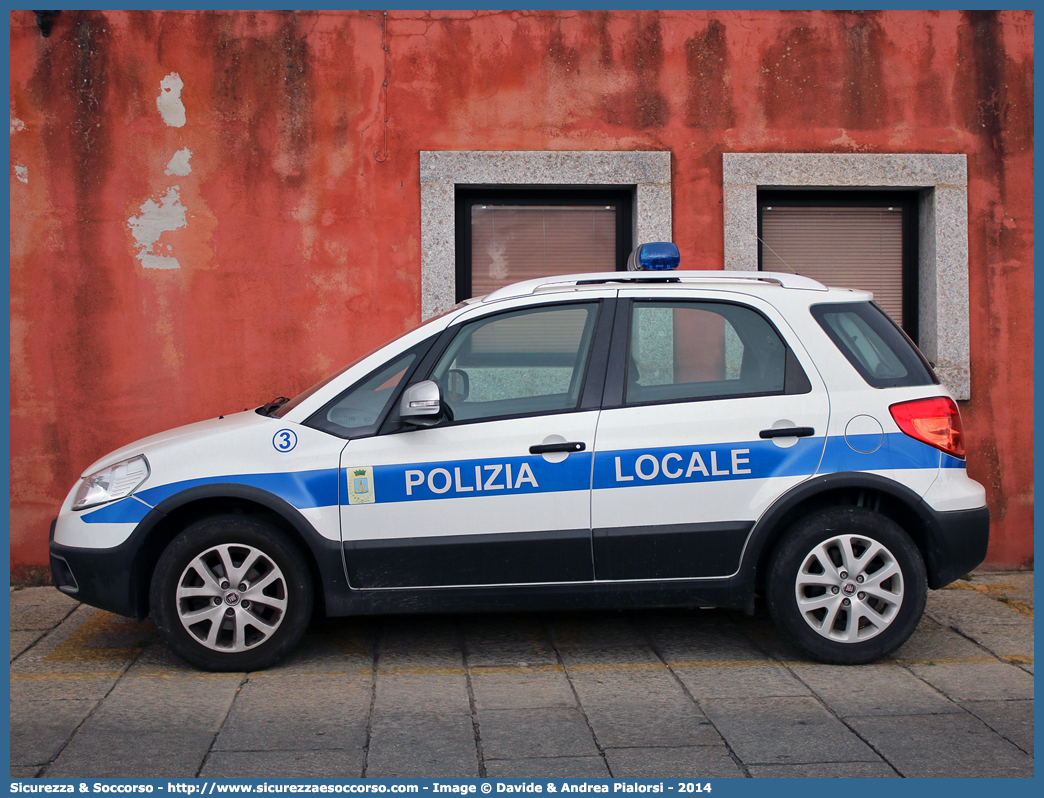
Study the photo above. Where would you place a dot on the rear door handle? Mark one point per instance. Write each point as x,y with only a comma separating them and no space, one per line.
788,432
546,448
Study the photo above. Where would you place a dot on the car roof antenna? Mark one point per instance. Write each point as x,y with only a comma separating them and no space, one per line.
770,249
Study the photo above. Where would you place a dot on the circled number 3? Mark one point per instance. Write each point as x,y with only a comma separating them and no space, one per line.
284,440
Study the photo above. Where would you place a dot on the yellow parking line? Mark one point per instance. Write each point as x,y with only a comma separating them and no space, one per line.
1020,659
160,674
483,670
617,666
486,670
725,663
63,676
77,647
977,660
984,588
995,592
1018,606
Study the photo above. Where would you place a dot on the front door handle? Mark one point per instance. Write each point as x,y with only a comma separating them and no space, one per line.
788,432
547,448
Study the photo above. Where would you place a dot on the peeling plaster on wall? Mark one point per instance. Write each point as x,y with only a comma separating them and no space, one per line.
179,164
22,173
154,220
17,125
169,100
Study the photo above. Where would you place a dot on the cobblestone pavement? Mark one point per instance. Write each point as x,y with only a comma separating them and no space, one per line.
679,693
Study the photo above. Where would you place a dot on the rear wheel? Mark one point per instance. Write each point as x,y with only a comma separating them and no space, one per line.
847,585
231,593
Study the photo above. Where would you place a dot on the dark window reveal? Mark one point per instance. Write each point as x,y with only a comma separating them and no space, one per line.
508,235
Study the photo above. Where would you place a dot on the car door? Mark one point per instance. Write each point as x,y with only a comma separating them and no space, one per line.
715,411
499,492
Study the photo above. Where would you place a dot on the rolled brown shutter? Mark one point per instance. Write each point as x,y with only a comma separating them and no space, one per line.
510,243
843,247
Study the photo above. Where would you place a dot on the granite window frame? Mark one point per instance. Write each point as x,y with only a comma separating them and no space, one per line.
941,183
648,174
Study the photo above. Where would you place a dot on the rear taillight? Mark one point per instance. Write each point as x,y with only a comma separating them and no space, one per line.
934,421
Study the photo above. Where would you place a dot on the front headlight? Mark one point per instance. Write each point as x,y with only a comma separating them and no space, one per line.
115,482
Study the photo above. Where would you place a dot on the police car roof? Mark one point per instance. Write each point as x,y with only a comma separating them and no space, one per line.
567,281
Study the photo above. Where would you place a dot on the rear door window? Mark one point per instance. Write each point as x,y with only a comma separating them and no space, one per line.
684,351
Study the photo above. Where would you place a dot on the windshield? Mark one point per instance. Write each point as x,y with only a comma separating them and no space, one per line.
286,407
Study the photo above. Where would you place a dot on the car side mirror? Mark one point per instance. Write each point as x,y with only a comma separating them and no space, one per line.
421,404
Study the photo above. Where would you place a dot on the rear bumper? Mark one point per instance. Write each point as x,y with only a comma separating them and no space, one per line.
956,543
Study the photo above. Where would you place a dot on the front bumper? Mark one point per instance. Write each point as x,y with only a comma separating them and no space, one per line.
103,578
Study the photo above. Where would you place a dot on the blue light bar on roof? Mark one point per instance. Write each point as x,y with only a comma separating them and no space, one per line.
655,256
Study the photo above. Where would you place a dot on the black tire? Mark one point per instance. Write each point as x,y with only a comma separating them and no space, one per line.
883,581
248,629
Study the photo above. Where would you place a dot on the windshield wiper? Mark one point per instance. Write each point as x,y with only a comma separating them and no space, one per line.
271,407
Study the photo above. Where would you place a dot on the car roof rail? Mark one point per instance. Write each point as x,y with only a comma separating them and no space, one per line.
565,281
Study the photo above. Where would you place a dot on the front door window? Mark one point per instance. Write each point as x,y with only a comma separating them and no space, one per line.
527,362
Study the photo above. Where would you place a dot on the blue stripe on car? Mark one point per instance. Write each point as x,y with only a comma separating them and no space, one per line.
612,469
124,511
302,489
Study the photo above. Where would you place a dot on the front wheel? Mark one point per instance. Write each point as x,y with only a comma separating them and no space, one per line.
847,585
230,593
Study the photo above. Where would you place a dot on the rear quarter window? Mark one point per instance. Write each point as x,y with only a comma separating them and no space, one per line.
875,346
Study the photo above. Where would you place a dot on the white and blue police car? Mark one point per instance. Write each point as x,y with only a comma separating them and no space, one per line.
628,439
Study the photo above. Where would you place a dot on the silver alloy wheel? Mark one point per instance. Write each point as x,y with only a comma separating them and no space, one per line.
232,597
849,588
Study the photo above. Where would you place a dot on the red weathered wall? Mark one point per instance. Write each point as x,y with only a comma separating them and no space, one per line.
300,247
